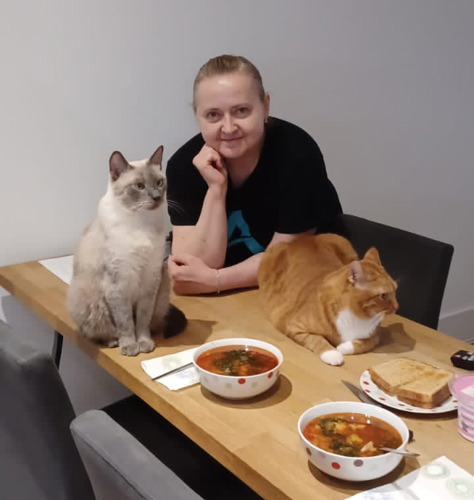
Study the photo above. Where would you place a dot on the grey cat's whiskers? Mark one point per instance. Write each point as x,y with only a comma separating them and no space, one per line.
175,206
142,204
120,287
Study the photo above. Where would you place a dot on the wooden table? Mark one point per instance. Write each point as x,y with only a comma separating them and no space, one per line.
257,439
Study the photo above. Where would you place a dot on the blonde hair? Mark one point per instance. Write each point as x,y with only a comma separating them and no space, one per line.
224,64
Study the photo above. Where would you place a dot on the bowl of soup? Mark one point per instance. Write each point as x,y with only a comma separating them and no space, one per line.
238,368
343,439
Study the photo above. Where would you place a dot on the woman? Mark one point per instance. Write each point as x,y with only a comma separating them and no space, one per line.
246,182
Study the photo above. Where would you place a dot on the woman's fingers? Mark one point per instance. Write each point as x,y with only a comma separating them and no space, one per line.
190,275
211,166
215,158
180,259
178,266
208,157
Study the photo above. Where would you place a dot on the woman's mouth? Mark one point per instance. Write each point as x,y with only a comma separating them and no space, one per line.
231,142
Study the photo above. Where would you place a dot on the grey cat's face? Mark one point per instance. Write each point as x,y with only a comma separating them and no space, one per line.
139,185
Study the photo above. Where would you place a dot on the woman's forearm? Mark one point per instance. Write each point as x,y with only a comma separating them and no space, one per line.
242,275
208,238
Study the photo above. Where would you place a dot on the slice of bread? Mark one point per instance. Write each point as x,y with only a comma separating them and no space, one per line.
394,373
412,381
428,391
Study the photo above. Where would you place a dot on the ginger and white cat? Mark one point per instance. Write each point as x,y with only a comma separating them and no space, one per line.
317,291
120,286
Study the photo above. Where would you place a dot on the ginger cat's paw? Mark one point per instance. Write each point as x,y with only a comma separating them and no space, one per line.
333,357
346,348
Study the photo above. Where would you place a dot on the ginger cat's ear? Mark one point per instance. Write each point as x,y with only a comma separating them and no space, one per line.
373,255
356,274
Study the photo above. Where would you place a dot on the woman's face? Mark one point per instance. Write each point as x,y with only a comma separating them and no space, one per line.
231,114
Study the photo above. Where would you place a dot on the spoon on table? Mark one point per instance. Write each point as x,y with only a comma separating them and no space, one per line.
400,452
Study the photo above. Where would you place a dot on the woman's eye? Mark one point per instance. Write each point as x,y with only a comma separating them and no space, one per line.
212,115
242,111
160,182
140,186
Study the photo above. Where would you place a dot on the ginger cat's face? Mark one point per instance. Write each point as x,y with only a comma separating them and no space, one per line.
373,289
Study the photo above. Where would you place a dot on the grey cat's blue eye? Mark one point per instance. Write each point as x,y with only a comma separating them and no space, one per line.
140,185
160,182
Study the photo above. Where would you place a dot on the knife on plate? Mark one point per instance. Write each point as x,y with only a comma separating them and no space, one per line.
360,393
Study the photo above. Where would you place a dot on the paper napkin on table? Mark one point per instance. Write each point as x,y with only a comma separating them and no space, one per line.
184,378
60,266
440,479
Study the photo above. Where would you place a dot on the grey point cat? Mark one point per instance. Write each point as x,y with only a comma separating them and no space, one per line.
119,292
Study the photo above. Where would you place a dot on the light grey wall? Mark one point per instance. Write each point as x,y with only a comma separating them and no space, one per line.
385,87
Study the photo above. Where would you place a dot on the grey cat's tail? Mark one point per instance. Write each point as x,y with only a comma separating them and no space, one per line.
175,322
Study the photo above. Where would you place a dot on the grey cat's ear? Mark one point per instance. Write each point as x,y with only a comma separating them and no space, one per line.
117,165
356,273
157,157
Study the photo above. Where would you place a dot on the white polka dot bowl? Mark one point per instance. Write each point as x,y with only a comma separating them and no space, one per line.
238,387
352,468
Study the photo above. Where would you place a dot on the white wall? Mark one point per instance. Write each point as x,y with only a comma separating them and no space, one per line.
384,87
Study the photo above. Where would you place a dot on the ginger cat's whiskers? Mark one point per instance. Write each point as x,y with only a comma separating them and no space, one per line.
317,291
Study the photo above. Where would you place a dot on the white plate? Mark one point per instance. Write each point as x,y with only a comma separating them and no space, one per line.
393,402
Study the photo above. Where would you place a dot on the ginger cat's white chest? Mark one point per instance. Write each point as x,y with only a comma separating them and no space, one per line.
350,327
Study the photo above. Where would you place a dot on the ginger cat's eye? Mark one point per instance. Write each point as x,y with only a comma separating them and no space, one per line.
384,296
140,185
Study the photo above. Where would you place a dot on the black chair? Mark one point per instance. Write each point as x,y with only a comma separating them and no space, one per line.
420,265
39,459
119,466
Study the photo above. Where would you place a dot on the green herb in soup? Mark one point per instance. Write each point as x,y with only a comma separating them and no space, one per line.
352,434
236,360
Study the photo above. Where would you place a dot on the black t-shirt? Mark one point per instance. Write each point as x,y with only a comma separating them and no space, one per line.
288,191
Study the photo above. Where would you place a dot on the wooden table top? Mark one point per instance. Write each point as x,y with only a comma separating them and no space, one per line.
258,439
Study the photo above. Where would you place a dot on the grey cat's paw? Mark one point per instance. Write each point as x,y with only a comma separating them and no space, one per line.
112,343
332,357
129,348
146,345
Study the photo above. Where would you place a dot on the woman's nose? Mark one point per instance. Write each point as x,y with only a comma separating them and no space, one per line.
228,125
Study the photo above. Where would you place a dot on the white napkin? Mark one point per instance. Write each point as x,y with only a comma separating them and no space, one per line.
440,479
60,266
184,378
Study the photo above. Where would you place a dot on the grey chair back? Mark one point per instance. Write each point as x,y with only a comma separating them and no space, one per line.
38,457
419,264
119,466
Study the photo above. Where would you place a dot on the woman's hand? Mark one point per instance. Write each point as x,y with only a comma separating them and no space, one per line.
211,166
189,275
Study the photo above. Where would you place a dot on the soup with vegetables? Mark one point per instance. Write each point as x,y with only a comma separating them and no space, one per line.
237,360
352,434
